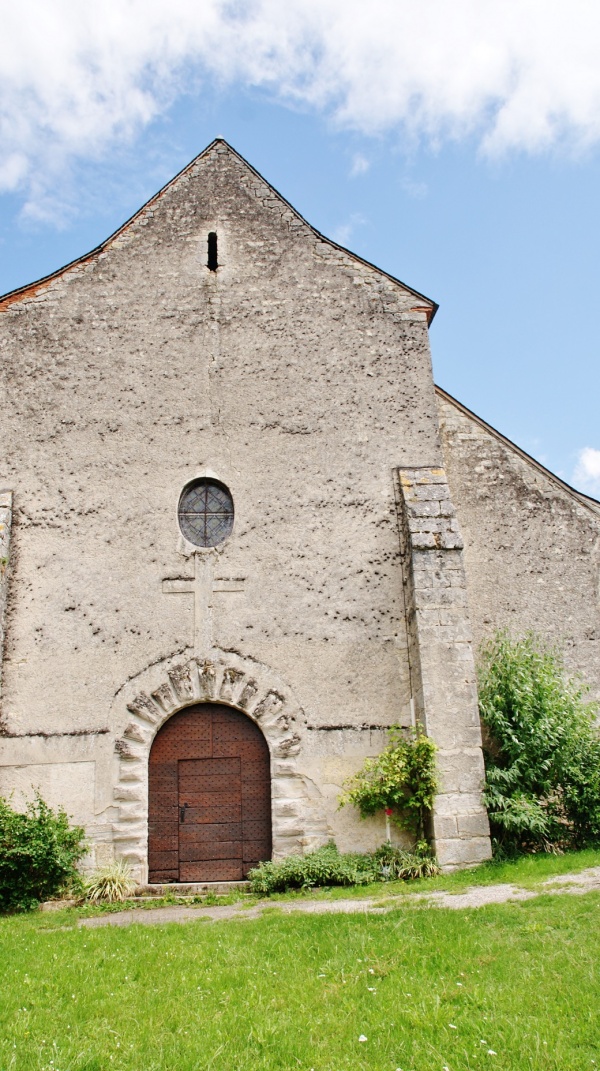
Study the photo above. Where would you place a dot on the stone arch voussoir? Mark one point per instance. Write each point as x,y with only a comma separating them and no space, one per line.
148,701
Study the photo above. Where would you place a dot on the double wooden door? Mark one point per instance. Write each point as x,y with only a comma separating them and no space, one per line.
209,805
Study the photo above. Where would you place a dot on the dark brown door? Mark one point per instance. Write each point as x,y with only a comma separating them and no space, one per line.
209,797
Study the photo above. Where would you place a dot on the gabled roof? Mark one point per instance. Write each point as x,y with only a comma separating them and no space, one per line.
6,300
584,500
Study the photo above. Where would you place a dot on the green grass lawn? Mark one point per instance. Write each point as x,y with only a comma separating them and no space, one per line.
507,987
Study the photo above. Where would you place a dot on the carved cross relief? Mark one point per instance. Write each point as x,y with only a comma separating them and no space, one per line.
203,586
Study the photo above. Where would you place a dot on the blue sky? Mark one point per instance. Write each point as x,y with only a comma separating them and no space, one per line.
476,182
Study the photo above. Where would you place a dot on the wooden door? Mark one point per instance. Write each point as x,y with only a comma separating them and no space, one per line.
209,797
210,819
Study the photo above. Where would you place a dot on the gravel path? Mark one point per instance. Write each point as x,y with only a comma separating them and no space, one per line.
477,896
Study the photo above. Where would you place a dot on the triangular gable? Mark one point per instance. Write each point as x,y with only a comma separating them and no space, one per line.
584,500
423,304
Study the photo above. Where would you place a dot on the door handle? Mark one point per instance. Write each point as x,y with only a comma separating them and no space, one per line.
182,811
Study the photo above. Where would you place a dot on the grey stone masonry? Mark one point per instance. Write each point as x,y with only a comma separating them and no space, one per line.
442,670
5,523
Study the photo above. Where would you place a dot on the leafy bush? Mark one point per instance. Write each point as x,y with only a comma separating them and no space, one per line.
110,884
542,751
402,781
39,852
326,866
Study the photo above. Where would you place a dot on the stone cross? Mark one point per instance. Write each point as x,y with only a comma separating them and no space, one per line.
202,586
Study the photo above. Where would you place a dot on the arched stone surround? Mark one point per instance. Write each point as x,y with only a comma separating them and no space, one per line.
145,704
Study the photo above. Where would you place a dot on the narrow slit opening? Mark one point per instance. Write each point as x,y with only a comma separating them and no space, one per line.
212,263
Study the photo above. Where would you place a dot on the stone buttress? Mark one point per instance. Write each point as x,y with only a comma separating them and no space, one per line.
442,669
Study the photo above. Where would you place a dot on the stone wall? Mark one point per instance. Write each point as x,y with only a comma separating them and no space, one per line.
532,544
298,375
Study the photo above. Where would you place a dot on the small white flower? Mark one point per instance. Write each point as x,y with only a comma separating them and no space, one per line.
363,1038
370,989
482,1042
492,1053
452,1026
371,971
460,984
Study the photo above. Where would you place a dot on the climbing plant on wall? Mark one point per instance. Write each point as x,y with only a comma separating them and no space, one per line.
401,781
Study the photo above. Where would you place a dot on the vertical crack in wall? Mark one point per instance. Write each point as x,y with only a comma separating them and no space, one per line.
6,499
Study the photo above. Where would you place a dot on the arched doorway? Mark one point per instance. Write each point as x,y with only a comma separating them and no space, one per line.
209,802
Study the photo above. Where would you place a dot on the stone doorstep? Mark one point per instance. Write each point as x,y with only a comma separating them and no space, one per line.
191,888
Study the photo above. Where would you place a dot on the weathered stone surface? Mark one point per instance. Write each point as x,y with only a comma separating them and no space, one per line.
453,854
473,825
532,544
452,804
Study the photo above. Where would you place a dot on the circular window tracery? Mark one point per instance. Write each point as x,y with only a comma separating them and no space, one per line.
205,513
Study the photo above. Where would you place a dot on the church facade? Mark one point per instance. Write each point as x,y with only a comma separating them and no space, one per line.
242,533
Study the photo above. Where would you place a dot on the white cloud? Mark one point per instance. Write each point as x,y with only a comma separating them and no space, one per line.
586,474
76,77
418,190
360,165
343,233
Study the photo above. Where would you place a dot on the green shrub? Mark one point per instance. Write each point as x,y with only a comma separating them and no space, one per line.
542,751
110,884
326,866
39,852
402,781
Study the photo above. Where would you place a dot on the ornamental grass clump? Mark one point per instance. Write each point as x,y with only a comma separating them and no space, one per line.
110,884
397,864
541,748
39,853
402,781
